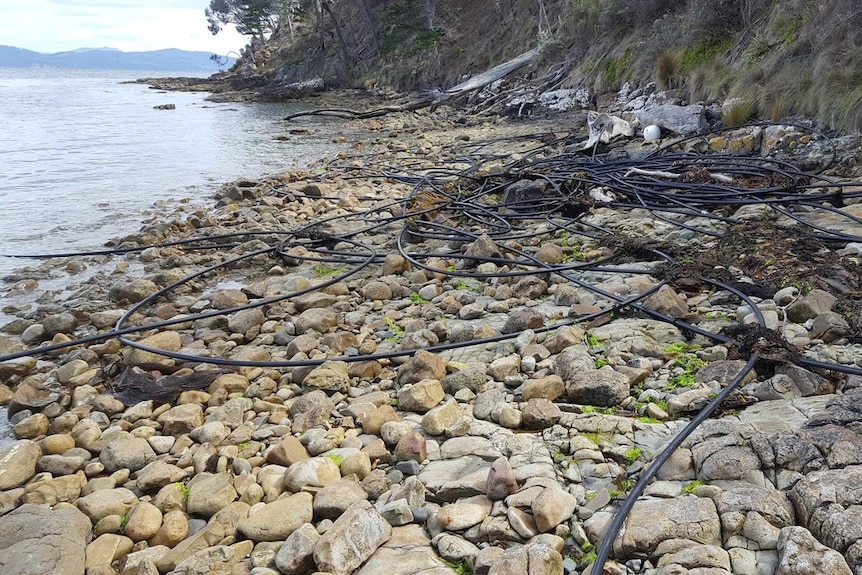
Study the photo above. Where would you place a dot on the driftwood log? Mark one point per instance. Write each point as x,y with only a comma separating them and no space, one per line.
470,86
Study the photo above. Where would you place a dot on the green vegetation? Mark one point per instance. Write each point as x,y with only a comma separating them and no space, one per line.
184,489
595,409
690,364
459,567
337,458
123,522
328,271
633,455
692,486
592,340
416,298
397,330
648,420
601,362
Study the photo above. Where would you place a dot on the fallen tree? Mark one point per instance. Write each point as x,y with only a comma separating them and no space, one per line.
434,98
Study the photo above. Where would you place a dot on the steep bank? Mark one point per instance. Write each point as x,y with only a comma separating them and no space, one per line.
783,58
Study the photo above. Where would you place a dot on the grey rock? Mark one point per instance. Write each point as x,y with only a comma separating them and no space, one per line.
540,414
334,499
683,120
837,527
277,520
397,512
829,326
801,554
99,504
407,552
220,526
587,385
18,463
157,474
461,515
310,410
841,486
330,376
522,319
501,480
316,472
63,322
296,556
38,540
181,419
652,521
352,539
438,419
472,378
813,304
771,504
246,319
453,479
132,453
320,320
210,493
668,302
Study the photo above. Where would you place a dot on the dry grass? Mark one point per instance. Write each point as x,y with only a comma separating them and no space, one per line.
739,113
666,69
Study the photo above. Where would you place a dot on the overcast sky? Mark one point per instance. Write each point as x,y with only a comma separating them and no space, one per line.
129,25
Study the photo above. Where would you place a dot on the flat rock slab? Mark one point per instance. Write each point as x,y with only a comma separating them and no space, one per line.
38,540
652,521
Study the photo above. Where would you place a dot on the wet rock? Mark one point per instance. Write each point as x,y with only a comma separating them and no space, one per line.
166,340
132,291
352,539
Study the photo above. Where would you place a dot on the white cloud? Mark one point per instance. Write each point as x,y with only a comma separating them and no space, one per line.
130,25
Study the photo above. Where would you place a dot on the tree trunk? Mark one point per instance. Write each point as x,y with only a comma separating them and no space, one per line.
345,52
373,24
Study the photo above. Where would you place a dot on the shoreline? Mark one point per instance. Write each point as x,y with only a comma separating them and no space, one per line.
521,447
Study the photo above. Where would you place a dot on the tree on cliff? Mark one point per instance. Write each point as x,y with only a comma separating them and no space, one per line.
257,18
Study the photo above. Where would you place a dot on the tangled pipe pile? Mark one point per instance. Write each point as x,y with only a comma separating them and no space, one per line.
728,224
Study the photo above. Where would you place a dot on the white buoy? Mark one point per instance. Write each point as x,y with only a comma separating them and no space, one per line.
652,133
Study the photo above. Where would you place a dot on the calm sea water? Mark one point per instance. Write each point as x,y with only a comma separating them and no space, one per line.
83,156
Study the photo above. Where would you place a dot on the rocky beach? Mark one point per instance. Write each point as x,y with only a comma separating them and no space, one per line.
457,348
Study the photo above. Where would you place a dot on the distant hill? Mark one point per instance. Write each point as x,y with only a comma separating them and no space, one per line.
111,58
